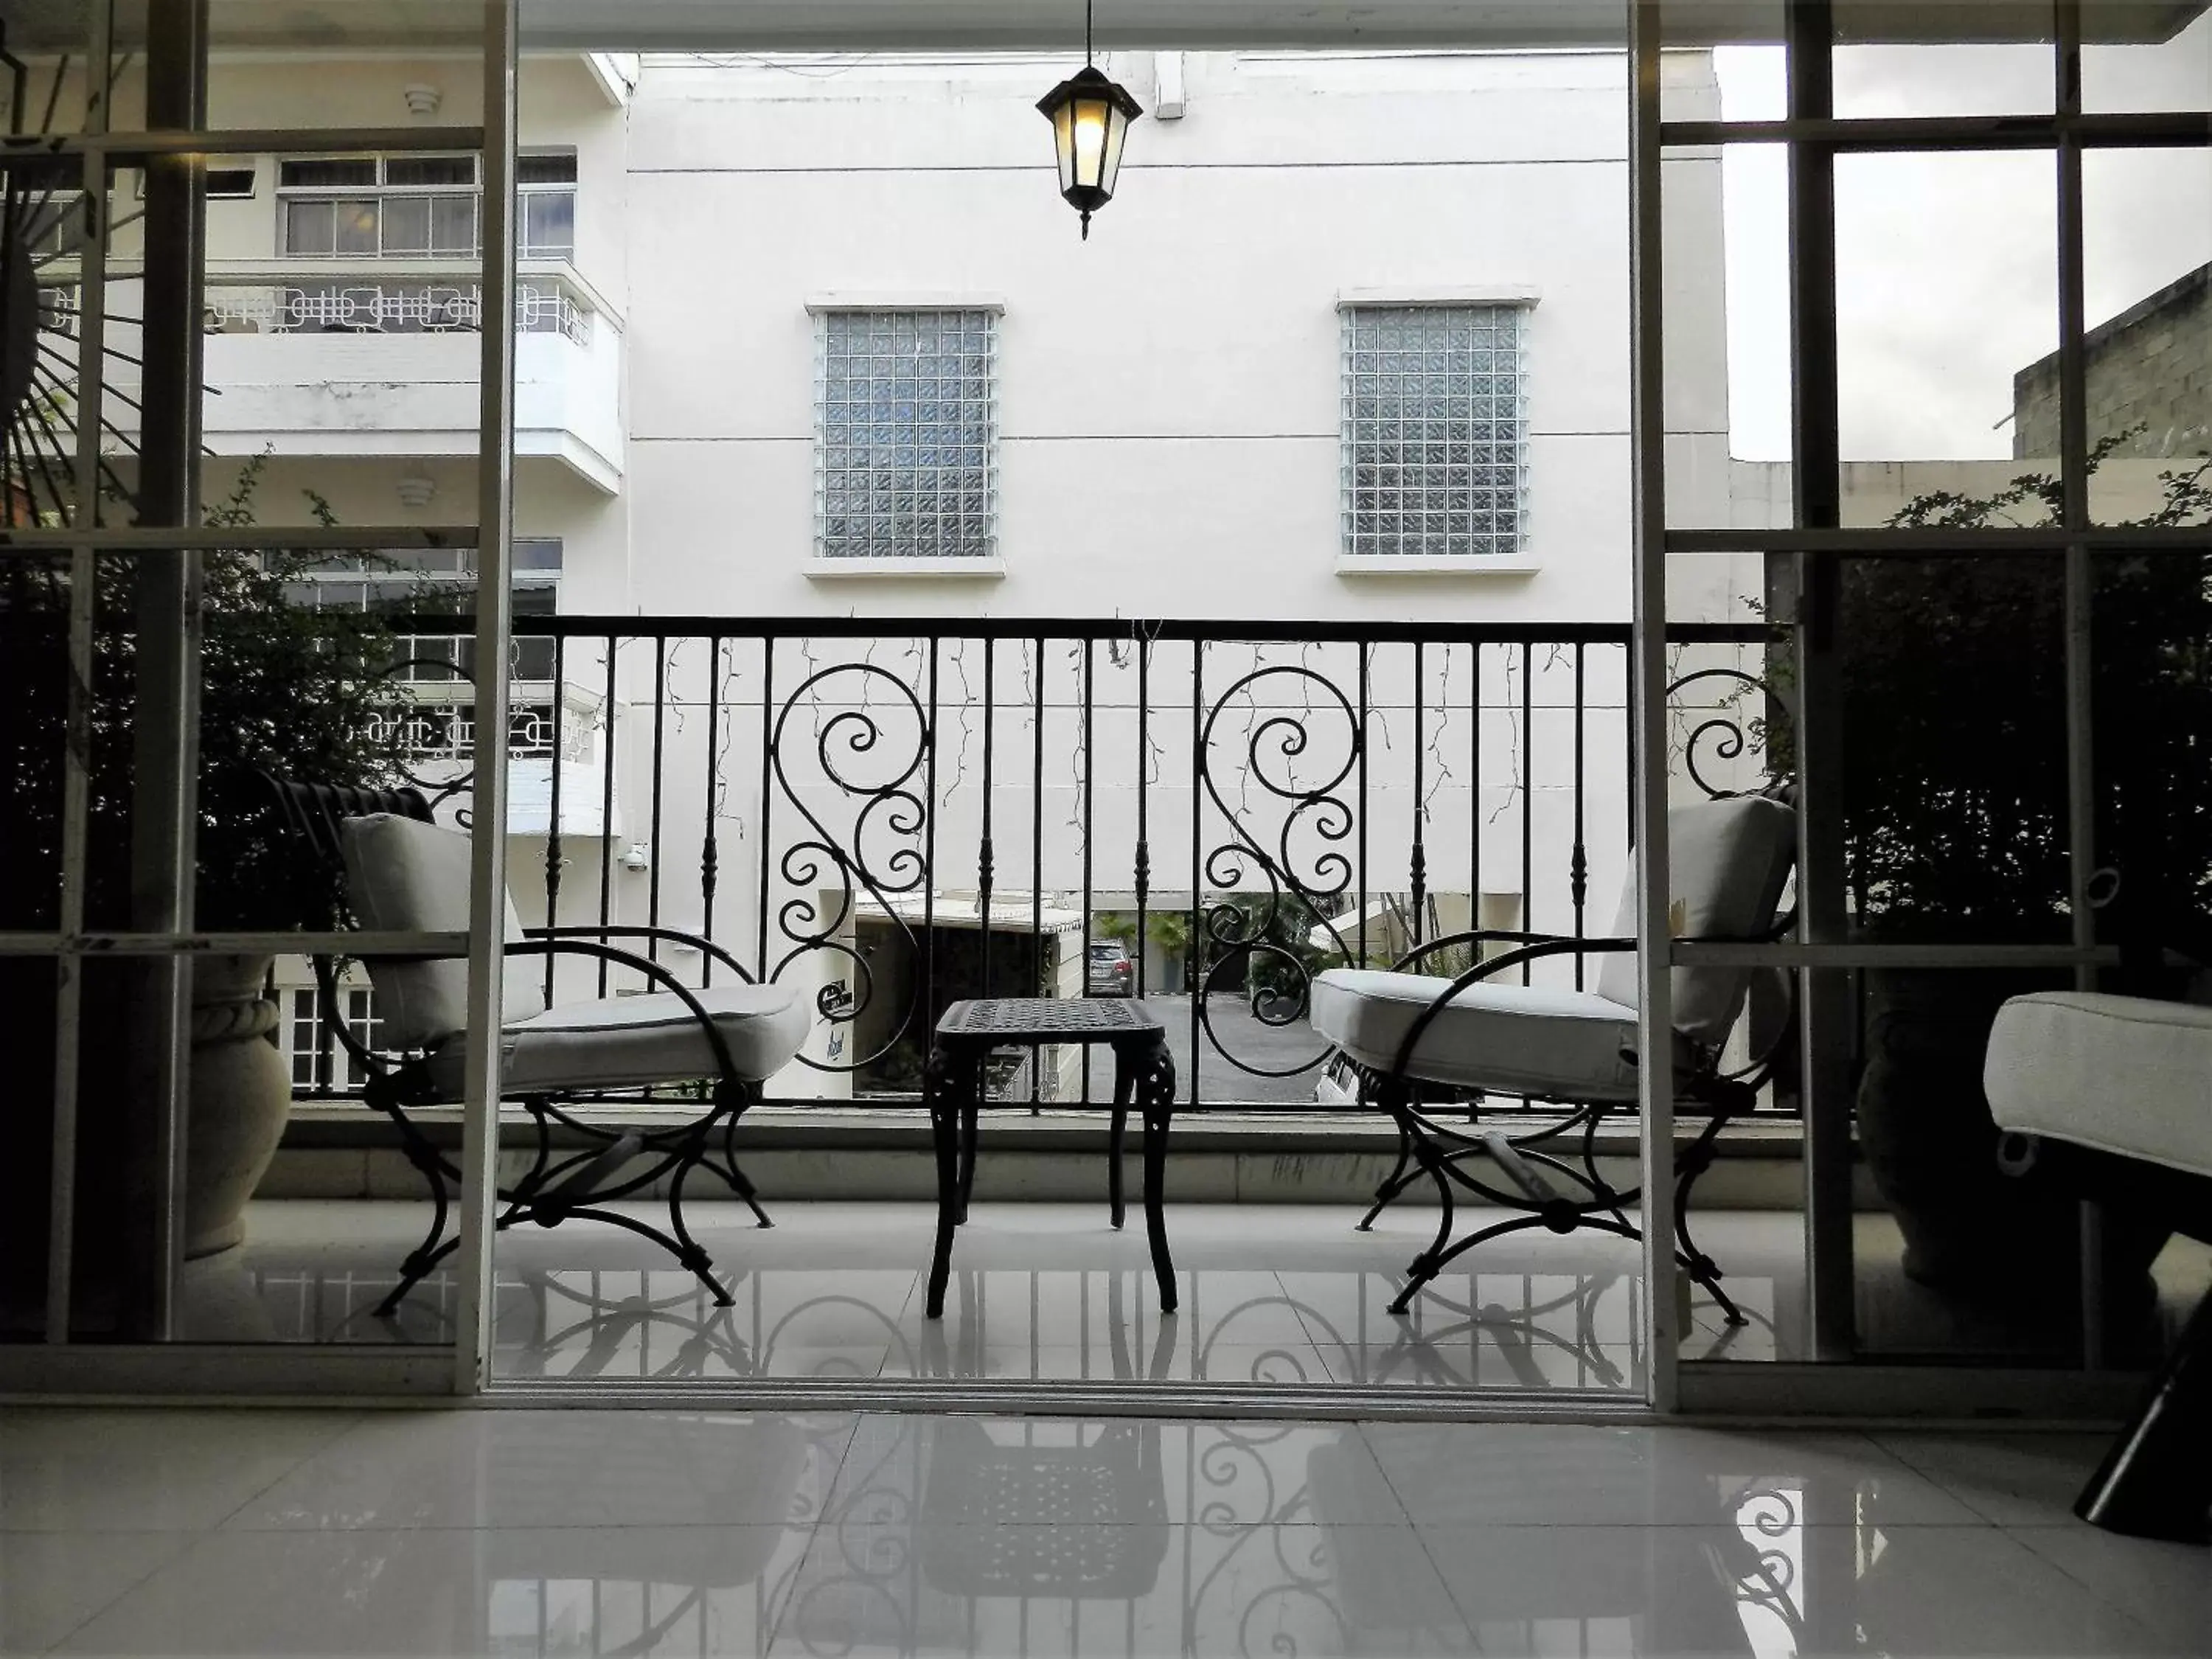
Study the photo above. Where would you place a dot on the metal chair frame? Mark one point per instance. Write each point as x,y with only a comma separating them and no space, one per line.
1431,1148
557,1187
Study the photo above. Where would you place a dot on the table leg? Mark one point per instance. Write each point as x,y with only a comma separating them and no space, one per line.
942,1083
1156,1095
1117,1137
971,1114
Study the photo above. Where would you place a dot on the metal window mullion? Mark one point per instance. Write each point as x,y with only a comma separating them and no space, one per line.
2073,490
77,760
495,604
1654,1034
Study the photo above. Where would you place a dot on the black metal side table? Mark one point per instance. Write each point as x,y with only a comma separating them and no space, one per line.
952,1088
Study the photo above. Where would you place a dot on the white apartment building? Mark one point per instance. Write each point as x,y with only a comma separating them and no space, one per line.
814,337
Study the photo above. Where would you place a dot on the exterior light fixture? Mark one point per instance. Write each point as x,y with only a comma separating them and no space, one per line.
1090,117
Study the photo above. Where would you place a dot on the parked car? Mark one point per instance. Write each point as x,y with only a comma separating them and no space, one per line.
1109,973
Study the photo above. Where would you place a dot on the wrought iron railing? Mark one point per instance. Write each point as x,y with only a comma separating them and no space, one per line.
895,814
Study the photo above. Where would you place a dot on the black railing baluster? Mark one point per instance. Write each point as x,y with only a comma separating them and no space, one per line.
659,771
983,854
932,1005
1037,986
1528,758
1417,864
1194,963
607,804
1087,782
1474,790
1579,870
553,813
1366,693
764,847
1144,860
710,857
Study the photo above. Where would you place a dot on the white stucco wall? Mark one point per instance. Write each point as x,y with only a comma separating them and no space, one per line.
1170,403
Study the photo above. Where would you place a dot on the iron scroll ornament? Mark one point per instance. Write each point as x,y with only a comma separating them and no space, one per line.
890,810
1233,937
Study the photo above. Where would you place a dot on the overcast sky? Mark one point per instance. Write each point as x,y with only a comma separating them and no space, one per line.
1946,278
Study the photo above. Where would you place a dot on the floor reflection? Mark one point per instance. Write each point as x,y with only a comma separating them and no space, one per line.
544,1532
1270,1294
1040,1292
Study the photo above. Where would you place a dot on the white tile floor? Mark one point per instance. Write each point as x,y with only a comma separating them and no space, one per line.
557,1533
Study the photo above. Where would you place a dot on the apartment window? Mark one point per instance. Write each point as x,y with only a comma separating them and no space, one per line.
906,454
319,1060
545,195
378,207
1436,430
422,581
399,207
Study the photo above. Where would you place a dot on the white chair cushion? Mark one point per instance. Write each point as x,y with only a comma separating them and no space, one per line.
2118,1074
1728,863
629,1042
404,875
1507,1039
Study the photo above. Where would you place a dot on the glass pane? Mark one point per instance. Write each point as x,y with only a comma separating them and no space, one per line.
1946,290
548,225
2152,625
1720,66
310,227
416,170
326,174
1954,761
407,225
357,226
2146,57
453,226
2148,269
1946,78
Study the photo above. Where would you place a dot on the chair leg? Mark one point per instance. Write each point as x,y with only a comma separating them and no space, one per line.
1393,1184
738,1182
2156,1481
420,1260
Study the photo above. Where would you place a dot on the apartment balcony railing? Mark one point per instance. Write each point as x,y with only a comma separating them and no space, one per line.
375,357
898,814
363,297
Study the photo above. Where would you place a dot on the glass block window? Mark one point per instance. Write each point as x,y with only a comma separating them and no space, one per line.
906,434
1436,430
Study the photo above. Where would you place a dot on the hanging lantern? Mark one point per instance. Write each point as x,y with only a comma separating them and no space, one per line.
1090,117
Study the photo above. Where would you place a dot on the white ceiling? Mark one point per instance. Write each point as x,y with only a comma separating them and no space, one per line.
978,25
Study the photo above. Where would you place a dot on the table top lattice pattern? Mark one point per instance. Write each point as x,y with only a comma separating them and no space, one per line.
1047,1019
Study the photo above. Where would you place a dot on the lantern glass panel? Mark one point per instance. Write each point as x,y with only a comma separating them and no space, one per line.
1063,143
1091,122
1117,130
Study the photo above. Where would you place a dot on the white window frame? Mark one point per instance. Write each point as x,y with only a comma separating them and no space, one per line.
834,552
382,192
1425,516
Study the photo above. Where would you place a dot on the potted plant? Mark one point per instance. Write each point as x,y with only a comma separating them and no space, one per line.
1953,787
285,687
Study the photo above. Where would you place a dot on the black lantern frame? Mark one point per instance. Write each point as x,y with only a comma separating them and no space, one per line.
1089,115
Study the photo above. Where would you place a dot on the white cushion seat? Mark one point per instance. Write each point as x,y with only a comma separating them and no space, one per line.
2127,1075
406,876
629,1042
1507,1039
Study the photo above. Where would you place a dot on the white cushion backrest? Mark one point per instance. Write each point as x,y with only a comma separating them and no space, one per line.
1728,861
406,876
